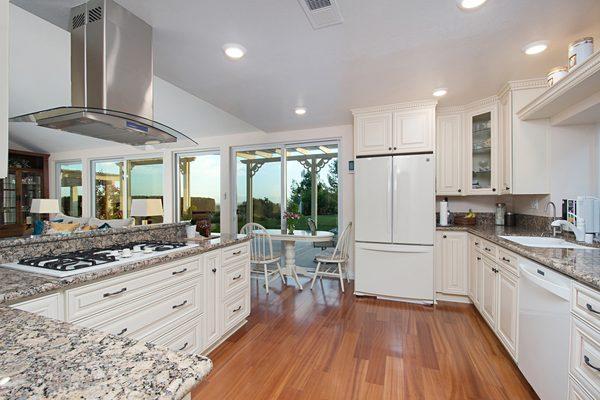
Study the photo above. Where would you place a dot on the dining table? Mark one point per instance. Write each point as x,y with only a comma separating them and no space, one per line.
289,245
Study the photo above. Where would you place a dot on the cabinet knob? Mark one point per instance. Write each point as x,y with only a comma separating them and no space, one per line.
493,189
389,148
507,188
478,258
459,190
214,270
395,148
444,236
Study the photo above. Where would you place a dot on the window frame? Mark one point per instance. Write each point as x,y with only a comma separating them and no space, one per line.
58,186
177,191
125,188
282,146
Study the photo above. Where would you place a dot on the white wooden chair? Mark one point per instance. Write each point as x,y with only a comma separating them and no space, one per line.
334,264
261,253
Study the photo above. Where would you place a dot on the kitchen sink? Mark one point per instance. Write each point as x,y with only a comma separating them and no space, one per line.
548,242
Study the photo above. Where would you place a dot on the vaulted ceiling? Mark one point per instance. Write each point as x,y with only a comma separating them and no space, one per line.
385,51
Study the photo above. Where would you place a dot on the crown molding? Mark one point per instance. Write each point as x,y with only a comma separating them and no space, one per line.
410,105
470,106
523,84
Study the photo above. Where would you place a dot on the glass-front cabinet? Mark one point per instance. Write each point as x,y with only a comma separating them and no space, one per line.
482,151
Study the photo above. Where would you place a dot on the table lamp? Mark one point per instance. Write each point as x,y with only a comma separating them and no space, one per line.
146,208
44,206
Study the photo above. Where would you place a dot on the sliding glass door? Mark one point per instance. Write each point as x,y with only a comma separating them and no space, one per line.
297,177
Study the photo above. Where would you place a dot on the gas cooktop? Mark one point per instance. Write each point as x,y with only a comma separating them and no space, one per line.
83,261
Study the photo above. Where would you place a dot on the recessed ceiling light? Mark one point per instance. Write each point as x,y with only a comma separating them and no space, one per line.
234,51
439,92
535,47
300,110
469,4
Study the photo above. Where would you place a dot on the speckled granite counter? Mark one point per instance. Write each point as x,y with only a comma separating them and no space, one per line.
46,358
17,285
581,265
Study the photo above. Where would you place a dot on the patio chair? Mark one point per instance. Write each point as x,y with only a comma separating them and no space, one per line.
333,264
261,254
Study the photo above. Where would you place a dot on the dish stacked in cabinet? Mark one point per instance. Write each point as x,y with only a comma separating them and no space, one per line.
584,365
186,305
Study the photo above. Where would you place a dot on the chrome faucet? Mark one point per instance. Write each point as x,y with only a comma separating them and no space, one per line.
554,227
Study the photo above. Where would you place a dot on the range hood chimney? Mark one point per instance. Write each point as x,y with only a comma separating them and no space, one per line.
111,80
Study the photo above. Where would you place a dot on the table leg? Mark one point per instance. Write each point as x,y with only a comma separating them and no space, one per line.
290,261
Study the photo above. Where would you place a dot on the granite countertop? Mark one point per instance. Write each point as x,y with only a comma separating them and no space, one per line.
579,264
17,285
46,358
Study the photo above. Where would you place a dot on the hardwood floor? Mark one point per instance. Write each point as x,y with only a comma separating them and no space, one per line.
321,344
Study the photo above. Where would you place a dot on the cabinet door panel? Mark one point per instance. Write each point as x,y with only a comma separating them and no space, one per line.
454,262
449,155
373,134
482,151
489,295
213,298
505,139
508,311
413,131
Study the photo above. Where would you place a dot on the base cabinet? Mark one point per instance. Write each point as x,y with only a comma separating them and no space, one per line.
508,316
187,305
489,294
452,262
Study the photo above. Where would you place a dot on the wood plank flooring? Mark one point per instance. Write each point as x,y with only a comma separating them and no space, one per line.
321,344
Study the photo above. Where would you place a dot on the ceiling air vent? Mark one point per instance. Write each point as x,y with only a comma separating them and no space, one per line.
78,20
322,13
95,14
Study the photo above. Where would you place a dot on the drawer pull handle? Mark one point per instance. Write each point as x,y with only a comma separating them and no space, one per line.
590,308
237,253
180,305
478,258
587,362
476,243
179,272
184,346
114,293
505,259
487,249
122,332
237,309
235,278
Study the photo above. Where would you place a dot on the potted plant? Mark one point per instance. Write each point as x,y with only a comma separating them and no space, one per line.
291,217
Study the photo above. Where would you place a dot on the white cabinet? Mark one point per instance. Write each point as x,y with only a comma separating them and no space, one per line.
212,264
51,306
489,294
373,134
395,129
413,131
482,150
505,133
508,310
452,254
3,88
449,147
474,268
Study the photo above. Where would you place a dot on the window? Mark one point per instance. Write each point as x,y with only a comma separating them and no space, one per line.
70,187
199,187
117,182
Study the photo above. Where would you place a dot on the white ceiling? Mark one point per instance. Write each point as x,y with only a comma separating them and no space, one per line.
385,51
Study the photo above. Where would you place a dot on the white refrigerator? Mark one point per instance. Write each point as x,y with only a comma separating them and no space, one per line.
395,226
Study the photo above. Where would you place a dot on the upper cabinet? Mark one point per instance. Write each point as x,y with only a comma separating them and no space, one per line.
395,129
3,88
449,143
482,150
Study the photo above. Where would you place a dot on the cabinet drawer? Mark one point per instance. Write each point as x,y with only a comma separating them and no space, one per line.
235,277
585,356
475,242
234,253
236,309
586,304
104,295
576,392
146,316
187,337
489,248
508,260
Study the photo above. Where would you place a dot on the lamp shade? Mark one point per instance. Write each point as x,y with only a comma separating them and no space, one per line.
146,207
44,206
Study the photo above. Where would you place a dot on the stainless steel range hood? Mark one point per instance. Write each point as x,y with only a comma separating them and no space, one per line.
111,80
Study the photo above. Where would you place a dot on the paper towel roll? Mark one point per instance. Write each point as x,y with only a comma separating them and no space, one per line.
444,213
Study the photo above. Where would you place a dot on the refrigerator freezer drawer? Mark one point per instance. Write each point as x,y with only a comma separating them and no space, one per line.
394,271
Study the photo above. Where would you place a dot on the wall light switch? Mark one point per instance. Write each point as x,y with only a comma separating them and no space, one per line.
535,204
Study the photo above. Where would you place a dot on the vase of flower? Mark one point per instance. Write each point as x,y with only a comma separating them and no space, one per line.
291,219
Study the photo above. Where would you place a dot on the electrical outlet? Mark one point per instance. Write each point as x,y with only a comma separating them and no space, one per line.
534,204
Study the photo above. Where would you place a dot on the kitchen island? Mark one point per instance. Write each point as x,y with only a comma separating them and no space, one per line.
70,356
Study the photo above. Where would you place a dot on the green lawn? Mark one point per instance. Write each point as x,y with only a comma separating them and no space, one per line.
324,223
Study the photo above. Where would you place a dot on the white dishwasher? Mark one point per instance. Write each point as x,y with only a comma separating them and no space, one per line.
544,315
